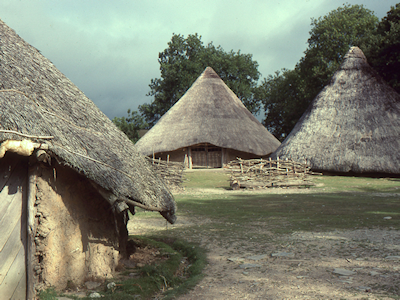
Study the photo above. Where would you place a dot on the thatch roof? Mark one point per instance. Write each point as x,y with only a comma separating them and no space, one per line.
353,125
209,112
36,99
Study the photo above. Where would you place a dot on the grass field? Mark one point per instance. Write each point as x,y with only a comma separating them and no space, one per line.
337,202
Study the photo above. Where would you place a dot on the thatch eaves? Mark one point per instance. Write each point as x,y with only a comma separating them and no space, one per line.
209,112
36,99
353,124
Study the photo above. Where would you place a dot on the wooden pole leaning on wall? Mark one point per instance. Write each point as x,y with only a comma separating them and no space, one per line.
31,230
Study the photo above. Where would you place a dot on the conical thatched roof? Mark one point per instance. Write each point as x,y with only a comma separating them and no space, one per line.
353,125
36,99
209,112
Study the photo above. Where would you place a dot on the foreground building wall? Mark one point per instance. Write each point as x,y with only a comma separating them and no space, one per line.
73,235
13,225
76,237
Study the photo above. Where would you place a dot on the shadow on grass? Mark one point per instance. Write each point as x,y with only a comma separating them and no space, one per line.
325,211
179,270
393,179
367,189
163,277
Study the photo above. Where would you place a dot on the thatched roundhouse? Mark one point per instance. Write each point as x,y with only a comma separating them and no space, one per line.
68,178
208,127
352,126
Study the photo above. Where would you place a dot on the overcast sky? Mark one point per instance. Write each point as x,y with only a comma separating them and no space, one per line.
109,49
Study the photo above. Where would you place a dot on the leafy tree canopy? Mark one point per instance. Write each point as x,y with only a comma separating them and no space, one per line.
330,39
282,95
131,124
384,53
287,94
184,60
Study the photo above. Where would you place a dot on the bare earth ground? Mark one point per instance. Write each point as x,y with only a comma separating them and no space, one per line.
297,266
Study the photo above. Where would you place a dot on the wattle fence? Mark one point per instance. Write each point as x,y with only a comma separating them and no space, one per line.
171,172
263,173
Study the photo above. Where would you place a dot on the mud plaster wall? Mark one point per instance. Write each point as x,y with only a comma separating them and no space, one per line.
233,154
176,156
230,154
76,239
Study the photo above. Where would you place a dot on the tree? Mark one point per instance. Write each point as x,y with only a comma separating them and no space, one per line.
283,99
384,53
184,60
288,93
330,39
131,125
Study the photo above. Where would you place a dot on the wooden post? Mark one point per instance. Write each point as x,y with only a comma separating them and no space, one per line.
222,157
287,170
206,149
153,156
294,167
167,159
277,164
269,168
190,157
186,161
31,230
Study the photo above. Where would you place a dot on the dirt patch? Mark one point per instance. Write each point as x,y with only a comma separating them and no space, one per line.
305,267
351,264
145,255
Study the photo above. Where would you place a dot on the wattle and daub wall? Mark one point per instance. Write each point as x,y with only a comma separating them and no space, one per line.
76,236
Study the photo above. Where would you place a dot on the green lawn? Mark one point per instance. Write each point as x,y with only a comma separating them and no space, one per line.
206,179
336,202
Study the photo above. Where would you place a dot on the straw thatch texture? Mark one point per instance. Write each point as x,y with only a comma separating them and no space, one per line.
37,99
353,125
209,112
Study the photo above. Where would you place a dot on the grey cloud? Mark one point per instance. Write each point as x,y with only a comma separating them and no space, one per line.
109,49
